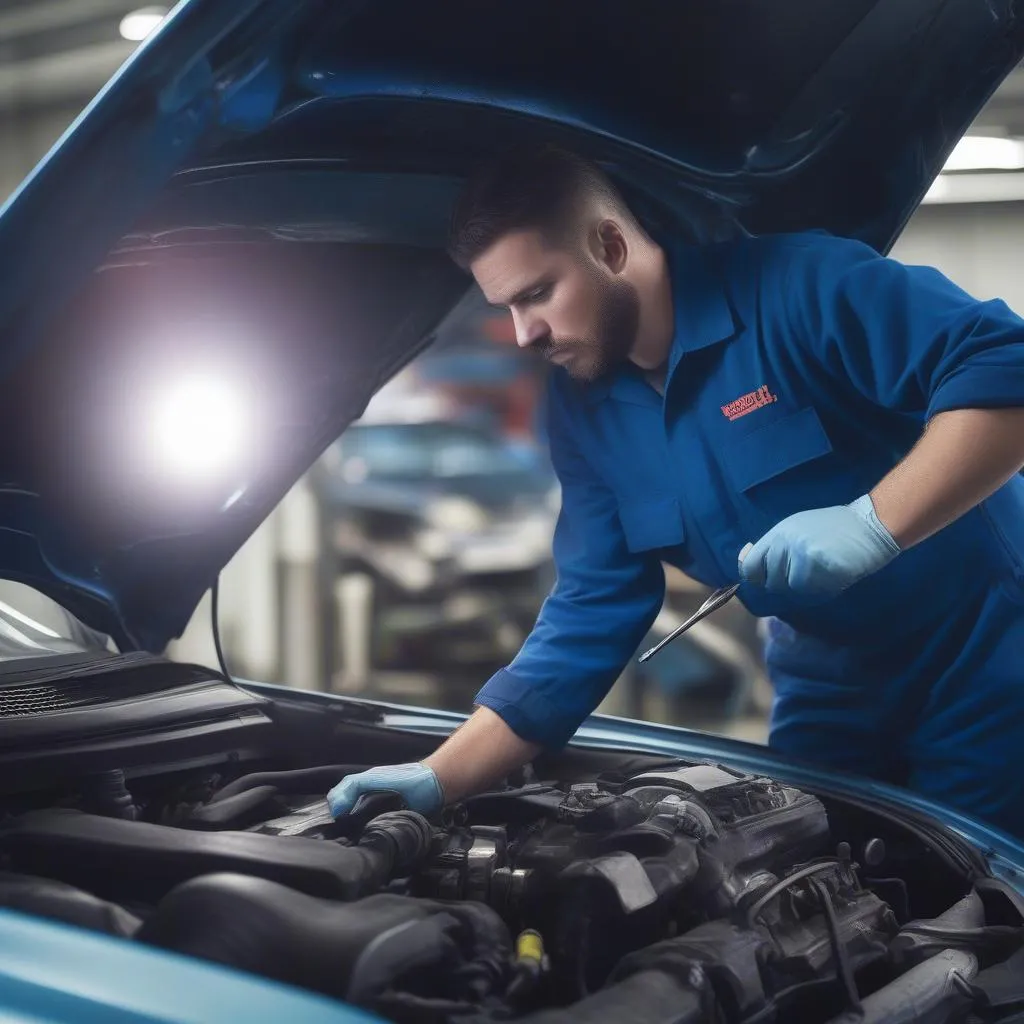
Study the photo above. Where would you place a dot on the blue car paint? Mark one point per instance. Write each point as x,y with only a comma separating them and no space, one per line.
59,973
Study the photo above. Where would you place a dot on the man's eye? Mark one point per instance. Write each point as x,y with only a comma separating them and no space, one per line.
539,294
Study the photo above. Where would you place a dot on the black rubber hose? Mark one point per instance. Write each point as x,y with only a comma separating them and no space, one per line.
933,990
401,838
47,898
342,950
784,883
238,811
298,780
844,970
139,861
650,997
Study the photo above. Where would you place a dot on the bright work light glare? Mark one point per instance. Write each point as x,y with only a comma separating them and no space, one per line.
139,24
199,427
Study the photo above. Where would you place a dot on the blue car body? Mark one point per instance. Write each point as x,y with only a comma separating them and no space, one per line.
305,121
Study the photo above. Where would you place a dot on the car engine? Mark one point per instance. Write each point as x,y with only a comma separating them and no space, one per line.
682,893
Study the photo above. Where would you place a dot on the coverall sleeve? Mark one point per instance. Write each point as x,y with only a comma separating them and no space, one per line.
604,601
905,337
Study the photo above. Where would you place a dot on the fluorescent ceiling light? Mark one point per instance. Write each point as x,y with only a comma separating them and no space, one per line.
990,187
986,153
139,24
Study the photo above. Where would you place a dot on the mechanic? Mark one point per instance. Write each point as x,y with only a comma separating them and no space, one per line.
860,419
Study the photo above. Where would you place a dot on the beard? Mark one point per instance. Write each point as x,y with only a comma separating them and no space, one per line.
618,321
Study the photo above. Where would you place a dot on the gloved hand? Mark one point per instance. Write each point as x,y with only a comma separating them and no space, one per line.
415,783
820,552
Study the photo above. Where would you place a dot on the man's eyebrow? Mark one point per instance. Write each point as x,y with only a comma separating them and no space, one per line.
523,292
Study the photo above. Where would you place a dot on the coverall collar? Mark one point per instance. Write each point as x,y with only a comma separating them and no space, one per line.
702,316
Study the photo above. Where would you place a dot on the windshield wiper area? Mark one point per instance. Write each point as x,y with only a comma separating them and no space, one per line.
60,683
33,625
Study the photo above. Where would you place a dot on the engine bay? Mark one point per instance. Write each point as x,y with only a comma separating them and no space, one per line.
668,892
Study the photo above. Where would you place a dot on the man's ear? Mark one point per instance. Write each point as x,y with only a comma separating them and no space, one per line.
610,247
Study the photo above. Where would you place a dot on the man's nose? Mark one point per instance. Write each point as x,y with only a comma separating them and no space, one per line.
529,330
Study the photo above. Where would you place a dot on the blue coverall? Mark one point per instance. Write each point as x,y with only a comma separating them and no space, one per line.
803,368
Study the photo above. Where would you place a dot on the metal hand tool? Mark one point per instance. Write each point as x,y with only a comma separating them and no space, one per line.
714,602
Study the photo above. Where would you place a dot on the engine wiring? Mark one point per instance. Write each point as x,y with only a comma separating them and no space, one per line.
782,885
844,969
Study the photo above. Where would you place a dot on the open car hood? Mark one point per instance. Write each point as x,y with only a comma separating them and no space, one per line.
264,188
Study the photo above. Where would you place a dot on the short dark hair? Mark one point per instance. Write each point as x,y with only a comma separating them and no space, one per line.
540,188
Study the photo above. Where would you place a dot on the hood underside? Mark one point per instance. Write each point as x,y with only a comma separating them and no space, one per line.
265,188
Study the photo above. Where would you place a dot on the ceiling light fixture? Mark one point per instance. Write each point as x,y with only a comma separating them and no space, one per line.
139,24
982,187
986,153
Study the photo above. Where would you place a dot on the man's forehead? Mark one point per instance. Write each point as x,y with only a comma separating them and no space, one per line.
513,264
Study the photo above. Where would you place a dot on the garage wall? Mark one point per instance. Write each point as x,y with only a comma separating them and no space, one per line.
25,137
980,247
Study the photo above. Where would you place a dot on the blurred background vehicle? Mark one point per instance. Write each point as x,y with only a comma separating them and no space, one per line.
439,529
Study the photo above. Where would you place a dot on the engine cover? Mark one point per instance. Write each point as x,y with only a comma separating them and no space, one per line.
690,894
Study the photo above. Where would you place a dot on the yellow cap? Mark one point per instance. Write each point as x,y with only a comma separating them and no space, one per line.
530,946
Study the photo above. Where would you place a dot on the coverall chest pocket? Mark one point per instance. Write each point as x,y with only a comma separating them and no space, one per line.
787,466
652,524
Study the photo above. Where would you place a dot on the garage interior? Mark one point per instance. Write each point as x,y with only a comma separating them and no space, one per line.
280,620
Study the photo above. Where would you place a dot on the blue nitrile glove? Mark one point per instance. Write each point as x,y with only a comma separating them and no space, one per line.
417,785
820,552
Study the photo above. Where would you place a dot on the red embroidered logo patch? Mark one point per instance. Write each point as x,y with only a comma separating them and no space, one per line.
749,402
